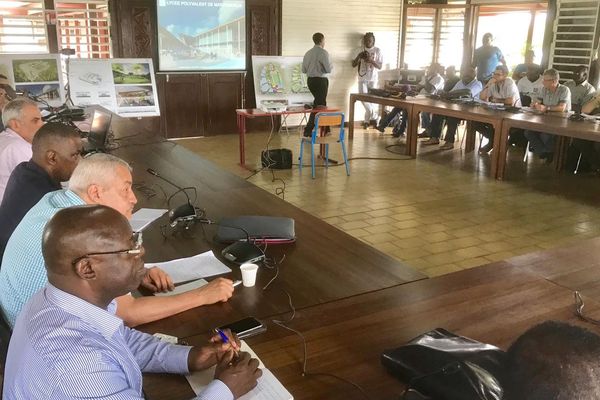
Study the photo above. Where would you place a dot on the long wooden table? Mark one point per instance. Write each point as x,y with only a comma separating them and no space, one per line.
555,124
493,304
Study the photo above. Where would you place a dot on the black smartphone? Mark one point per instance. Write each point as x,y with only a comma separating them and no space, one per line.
246,327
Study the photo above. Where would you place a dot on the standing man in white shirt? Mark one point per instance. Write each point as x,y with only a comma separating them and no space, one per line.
22,119
368,60
316,65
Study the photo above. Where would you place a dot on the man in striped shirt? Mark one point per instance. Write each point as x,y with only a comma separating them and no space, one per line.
68,343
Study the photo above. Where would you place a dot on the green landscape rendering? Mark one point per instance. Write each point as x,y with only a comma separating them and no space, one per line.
131,73
35,70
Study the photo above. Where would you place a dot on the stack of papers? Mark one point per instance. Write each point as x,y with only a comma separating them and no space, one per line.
268,387
192,268
144,217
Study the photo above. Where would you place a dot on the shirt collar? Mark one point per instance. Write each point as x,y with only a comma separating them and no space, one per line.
104,320
14,134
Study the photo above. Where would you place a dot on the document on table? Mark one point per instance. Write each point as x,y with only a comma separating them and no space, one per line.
268,387
192,268
144,217
186,287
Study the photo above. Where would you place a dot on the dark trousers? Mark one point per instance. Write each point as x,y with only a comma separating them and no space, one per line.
437,123
400,126
486,130
318,87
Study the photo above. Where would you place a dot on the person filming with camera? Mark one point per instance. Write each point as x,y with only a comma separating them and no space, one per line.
368,61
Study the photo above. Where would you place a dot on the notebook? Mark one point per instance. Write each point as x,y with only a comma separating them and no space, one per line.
268,387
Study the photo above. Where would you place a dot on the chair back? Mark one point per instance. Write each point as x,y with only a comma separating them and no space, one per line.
331,119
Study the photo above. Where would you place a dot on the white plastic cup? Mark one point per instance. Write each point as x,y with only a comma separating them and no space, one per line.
249,274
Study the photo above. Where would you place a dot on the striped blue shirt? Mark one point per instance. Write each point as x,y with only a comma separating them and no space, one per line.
63,347
22,272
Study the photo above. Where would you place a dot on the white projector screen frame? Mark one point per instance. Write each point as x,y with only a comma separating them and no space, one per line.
196,35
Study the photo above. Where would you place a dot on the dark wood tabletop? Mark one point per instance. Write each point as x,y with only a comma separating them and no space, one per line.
323,265
492,304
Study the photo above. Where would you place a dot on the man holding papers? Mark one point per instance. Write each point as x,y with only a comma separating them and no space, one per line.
67,342
98,179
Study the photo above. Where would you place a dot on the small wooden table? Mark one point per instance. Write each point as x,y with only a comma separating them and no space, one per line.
244,113
553,123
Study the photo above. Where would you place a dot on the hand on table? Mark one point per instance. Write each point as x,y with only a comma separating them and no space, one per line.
202,357
157,280
218,290
240,375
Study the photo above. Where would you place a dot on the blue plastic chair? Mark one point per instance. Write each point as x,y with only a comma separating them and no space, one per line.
323,119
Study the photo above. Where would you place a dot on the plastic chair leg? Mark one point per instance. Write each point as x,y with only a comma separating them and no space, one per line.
301,153
345,157
312,160
327,155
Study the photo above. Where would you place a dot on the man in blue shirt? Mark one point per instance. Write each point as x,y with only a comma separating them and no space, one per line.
486,58
467,82
98,179
56,151
68,344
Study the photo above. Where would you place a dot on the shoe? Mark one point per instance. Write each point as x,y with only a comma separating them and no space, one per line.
486,149
381,129
431,141
447,146
373,123
423,134
365,125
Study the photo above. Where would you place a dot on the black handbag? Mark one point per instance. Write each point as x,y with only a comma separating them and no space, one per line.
443,366
276,159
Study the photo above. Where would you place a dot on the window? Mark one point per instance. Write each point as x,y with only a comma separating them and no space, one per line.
22,27
433,35
81,25
84,26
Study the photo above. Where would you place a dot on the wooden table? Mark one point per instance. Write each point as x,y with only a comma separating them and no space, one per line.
493,304
325,264
245,113
467,112
555,124
384,101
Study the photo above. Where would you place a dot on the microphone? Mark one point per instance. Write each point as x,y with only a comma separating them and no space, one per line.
239,252
186,213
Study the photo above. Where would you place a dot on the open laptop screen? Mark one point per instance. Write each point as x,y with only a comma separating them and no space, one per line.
99,130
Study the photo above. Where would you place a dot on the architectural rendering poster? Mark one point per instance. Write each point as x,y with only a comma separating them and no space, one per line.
279,79
124,86
37,74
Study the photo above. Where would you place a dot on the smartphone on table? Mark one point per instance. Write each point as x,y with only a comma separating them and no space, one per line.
246,327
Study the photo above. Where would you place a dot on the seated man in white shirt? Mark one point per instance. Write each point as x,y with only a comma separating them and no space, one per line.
69,344
530,85
22,119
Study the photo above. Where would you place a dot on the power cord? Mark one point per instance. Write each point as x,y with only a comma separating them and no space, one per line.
271,264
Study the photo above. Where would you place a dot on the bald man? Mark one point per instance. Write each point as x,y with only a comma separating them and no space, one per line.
68,343
97,179
56,151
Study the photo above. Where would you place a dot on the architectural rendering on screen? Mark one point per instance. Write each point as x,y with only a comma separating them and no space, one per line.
201,35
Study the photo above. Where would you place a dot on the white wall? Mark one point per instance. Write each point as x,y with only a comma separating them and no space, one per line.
343,22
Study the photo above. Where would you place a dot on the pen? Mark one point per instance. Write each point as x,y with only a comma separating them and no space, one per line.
236,283
226,340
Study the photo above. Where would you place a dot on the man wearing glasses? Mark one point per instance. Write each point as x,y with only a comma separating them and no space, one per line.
98,179
499,89
68,343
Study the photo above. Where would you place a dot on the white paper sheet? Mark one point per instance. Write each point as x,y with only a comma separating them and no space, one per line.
268,388
144,217
186,287
191,268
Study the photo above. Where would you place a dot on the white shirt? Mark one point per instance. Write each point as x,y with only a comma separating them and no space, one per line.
368,72
532,89
13,151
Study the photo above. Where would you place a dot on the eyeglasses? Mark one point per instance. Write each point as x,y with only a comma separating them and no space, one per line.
136,238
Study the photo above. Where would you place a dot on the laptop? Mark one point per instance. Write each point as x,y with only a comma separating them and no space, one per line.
98,134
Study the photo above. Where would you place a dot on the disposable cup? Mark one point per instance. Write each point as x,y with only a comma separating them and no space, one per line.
249,274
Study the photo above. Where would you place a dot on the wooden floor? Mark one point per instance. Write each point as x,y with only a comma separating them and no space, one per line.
439,213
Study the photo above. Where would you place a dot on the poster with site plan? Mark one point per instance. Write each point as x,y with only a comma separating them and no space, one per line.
39,75
126,86
279,80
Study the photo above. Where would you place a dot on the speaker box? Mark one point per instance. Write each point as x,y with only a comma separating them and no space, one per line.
276,159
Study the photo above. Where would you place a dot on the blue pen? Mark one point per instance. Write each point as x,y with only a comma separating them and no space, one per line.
225,339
